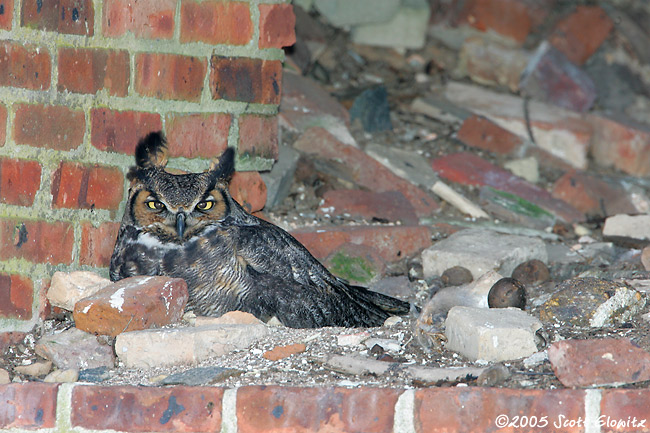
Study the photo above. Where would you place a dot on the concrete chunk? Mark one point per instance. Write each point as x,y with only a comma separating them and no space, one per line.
492,335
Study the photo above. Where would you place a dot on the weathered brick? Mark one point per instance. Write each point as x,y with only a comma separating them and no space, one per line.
510,18
151,19
97,243
19,181
16,296
258,136
624,410
389,205
36,241
392,242
132,304
476,409
621,145
81,186
363,169
249,190
216,22
246,80
277,26
24,66
477,131
580,34
75,17
120,131
6,14
11,338
169,76
200,135
146,409
273,408
469,169
29,405
3,124
53,126
592,195
84,70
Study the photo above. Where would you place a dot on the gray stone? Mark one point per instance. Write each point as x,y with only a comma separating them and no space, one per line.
407,29
628,226
183,346
493,335
75,349
405,164
481,251
342,13
94,375
200,376
278,180
372,110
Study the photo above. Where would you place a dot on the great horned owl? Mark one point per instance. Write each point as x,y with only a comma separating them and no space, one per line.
189,226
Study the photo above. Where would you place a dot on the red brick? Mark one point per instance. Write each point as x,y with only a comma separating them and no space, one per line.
580,34
621,145
30,405
169,76
392,242
246,80
75,17
145,302
36,241
388,206
147,409
201,135
364,170
477,131
120,131
249,190
482,409
511,18
84,70
97,244
19,181
621,410
24,66
150,19
273,408
592,195
216,22
16,296
3,124
87,187
469,169
53,126
277,26
6,14
258,136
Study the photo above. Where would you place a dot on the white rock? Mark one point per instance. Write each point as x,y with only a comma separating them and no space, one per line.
4,377
62,376
352,339
407,29
629,226
527,168
481,251
387,344
493,335
183,346
68,288
342,13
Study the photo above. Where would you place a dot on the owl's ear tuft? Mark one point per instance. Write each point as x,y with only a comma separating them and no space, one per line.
225,165
151,151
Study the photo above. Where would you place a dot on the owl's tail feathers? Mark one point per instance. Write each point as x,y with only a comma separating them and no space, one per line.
392,306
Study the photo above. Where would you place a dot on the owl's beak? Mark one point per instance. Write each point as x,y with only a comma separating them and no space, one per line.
180,224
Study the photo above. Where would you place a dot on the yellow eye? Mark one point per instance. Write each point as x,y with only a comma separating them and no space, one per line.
155,205
205,205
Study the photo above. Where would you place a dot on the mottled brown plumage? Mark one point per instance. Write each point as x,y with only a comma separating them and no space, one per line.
189,226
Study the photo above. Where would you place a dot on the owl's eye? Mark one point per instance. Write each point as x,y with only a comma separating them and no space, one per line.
205,205
155,205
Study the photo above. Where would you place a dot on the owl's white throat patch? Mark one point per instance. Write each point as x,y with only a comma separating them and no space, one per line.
150,241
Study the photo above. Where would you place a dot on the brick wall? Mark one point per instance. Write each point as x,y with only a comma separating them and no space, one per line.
82,80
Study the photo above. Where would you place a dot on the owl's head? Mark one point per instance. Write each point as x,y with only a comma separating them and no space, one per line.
175,207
